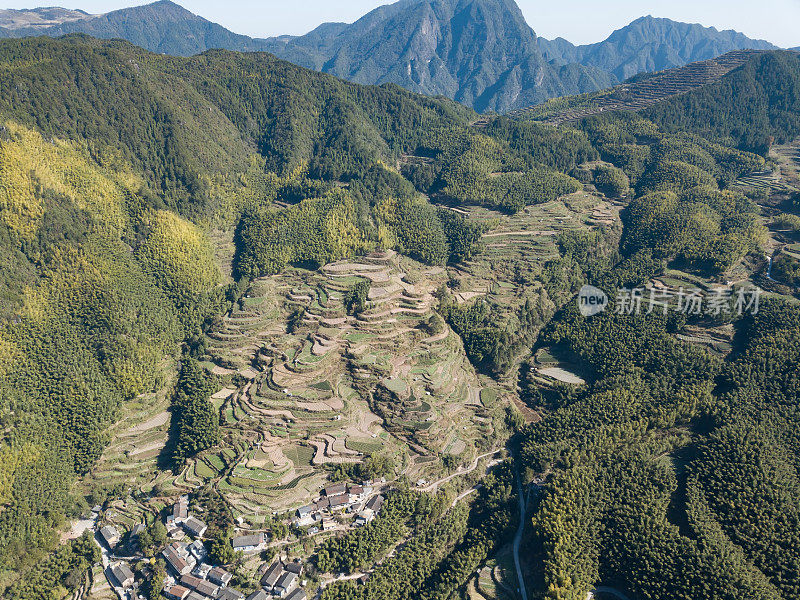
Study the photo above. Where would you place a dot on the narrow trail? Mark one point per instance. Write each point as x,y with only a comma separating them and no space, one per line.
518,537
463,495
435,484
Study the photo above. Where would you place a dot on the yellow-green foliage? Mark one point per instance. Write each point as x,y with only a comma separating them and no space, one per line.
703,226
102,285
11,459
385,212
235,191
30,165
611,181
179,257
565,524
315,231
788,221
480,170
675,175
133,365
414,227
20,209
8,354
92,319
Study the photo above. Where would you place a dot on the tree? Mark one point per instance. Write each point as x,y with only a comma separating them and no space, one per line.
355,300
153,586
195,422
220,550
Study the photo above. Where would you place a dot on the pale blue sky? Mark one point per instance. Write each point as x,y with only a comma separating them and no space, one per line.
580,21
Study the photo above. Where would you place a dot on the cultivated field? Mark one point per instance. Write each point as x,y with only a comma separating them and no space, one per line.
639,94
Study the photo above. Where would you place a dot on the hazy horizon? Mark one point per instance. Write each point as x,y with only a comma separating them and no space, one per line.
580,21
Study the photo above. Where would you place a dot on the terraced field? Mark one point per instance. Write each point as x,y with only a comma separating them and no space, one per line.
307,385
767,181
788,158
518,246
137,441
637,95
326,387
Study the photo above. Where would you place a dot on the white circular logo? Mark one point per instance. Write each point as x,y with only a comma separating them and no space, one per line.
591,300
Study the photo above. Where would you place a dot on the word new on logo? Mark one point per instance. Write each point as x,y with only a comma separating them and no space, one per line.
591,301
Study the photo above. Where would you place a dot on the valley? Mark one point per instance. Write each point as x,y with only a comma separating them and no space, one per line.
269,333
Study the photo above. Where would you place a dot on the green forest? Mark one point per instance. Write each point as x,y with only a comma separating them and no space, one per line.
672,472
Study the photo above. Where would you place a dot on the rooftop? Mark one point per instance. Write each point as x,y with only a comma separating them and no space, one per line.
243,541
335,489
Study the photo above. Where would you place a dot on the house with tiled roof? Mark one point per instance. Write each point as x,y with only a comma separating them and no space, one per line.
249,543
122,574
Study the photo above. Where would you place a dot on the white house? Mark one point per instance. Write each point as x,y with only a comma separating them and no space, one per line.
249,543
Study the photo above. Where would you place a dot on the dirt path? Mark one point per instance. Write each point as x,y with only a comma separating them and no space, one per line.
463,495
435,484
518,233
329,580
518,536
160,419
147,448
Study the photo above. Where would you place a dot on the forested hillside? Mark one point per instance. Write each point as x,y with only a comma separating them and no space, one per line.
672,473
190,124
754,106
348,223
115,162
112,163
100,284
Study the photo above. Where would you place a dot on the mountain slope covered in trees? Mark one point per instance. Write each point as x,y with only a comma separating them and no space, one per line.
187,122
756,105
479,52
672,472
112,163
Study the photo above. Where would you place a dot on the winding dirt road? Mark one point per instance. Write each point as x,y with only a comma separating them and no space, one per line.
460,472
518,537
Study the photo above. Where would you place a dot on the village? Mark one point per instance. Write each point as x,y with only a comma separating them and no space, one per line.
190,572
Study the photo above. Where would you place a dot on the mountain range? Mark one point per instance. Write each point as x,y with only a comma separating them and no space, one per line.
481,53
651,44
360,270
162,27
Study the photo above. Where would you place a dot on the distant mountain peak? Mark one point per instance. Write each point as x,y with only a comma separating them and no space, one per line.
166,5
482,53
42,17
163,27
650,44
162,7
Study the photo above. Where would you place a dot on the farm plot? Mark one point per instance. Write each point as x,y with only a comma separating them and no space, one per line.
316,377
137,440
507,274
